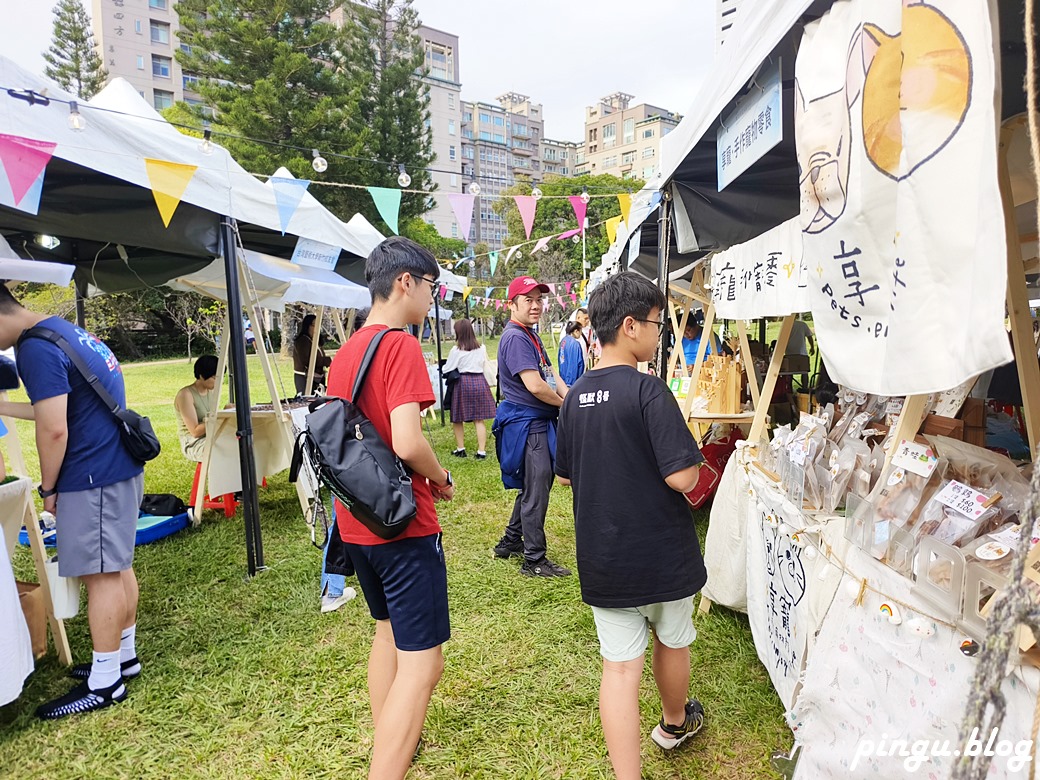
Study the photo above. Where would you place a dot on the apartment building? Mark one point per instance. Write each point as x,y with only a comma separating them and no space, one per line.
445,124
137,39
558,157
499,143
623,140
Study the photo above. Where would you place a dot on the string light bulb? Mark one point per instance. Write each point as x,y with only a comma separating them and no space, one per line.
206,147
473,189
319,163
585,197
536,193
403,179
76,120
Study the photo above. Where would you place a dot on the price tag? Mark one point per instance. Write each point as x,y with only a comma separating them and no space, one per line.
916,458
798,451
968,501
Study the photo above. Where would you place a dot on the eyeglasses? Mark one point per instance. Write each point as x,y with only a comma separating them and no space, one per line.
433,282
660,324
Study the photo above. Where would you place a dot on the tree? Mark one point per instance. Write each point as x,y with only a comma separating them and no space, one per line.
387,50
425,234
72,60
195,315
555,215
278,72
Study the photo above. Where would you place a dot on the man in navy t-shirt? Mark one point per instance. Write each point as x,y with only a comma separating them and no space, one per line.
91,483
525,428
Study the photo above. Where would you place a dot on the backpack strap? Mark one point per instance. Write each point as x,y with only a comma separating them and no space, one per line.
41,332
366,362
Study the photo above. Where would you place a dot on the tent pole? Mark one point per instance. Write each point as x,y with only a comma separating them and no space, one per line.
240,377
662,276
81,310
437,332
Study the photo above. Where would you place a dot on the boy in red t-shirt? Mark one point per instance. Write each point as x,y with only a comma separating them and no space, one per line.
404,579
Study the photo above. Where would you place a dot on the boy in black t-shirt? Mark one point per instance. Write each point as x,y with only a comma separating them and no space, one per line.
624,447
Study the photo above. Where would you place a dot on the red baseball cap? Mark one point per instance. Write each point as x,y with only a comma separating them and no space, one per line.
522,285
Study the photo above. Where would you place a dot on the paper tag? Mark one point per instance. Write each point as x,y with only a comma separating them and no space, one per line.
894,406
992,551
1009,537
896,477
916,458
798,451
968,501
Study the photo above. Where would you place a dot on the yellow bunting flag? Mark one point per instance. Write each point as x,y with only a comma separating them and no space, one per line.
168,180
612,226
625,200
466,292
584,284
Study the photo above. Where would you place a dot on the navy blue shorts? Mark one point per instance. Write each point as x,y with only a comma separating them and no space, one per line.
406,582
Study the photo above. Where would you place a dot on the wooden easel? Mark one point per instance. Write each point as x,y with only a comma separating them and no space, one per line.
39,551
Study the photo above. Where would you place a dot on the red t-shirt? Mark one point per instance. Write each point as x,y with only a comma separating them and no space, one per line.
397,376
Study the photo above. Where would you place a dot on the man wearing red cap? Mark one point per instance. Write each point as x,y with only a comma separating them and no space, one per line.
525,428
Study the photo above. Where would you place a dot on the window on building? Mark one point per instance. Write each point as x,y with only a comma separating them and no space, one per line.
499,138
519,129
609,135
138,26
484,136
628,157
648,171
451,127
190,82
629,131
563,155
610,162
161,99
467,116
451,153
579,158
140,62
160,4
648,132
161,66
563,170
485,118
550,154
500,120
648,152
185,48
594,134
451,100
440,61
467,152
160,31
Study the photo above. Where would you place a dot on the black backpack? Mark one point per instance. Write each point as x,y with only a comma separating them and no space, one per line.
353,462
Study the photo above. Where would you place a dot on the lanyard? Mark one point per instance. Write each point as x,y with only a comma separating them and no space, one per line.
542,357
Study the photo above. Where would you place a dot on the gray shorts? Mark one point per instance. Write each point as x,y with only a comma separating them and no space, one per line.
97,528
624,632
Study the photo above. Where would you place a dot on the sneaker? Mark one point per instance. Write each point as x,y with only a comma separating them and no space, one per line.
670,737
459,453
544,568
481,456
507,549
332,603
129,670
82,699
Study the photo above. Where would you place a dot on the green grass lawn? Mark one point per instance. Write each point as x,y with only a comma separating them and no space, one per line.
245,678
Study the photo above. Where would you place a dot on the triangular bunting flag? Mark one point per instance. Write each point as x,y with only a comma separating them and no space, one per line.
512,249
574,297
542,243
488,291
462,205
30,202
444,291
568,234
24,159
287,194
388,204
169,180
493,259
466,292
527,204
612,226
569,286
580,208
552,288
624,199
559,299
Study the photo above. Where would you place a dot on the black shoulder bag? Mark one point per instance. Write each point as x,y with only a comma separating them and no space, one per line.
353,462
135,431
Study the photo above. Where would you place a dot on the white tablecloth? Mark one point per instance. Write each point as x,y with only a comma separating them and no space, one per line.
270,446
16,657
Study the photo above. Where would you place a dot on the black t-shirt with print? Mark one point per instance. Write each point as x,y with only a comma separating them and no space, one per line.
620,434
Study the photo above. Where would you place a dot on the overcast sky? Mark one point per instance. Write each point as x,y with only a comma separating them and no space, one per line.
565,54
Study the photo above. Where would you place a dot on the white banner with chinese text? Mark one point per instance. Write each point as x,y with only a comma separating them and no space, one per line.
903,231
763,277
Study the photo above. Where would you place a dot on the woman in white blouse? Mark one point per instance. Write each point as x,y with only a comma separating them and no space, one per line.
471,399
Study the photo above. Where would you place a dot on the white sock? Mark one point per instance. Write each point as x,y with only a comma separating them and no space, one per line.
128,644
481,452
104,672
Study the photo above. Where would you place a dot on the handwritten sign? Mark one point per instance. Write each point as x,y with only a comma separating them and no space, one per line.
964,499
751,129
315,254
916,458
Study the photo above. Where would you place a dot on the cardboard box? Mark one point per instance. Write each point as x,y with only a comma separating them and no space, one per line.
31,597
973,413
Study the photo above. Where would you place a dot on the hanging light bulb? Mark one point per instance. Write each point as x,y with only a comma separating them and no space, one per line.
319,163
403,179
536,193
519,255
473,189
206,147
575,240
76,120
585,197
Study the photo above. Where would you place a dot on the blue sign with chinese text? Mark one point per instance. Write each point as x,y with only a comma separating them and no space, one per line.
751,129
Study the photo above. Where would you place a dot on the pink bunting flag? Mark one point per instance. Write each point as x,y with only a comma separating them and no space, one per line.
574,296
552,288
444,291
580,208
527,205
462,205
568,234
569,286
542,243
559,299
24,159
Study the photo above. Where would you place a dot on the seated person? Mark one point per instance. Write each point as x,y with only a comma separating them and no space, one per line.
194,403
302,355
691,341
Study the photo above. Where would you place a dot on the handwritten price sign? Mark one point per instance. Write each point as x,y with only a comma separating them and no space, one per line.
916,458
968,501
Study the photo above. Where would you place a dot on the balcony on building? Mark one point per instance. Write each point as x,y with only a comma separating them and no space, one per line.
524,151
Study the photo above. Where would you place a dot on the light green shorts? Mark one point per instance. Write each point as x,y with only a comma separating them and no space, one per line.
624,631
